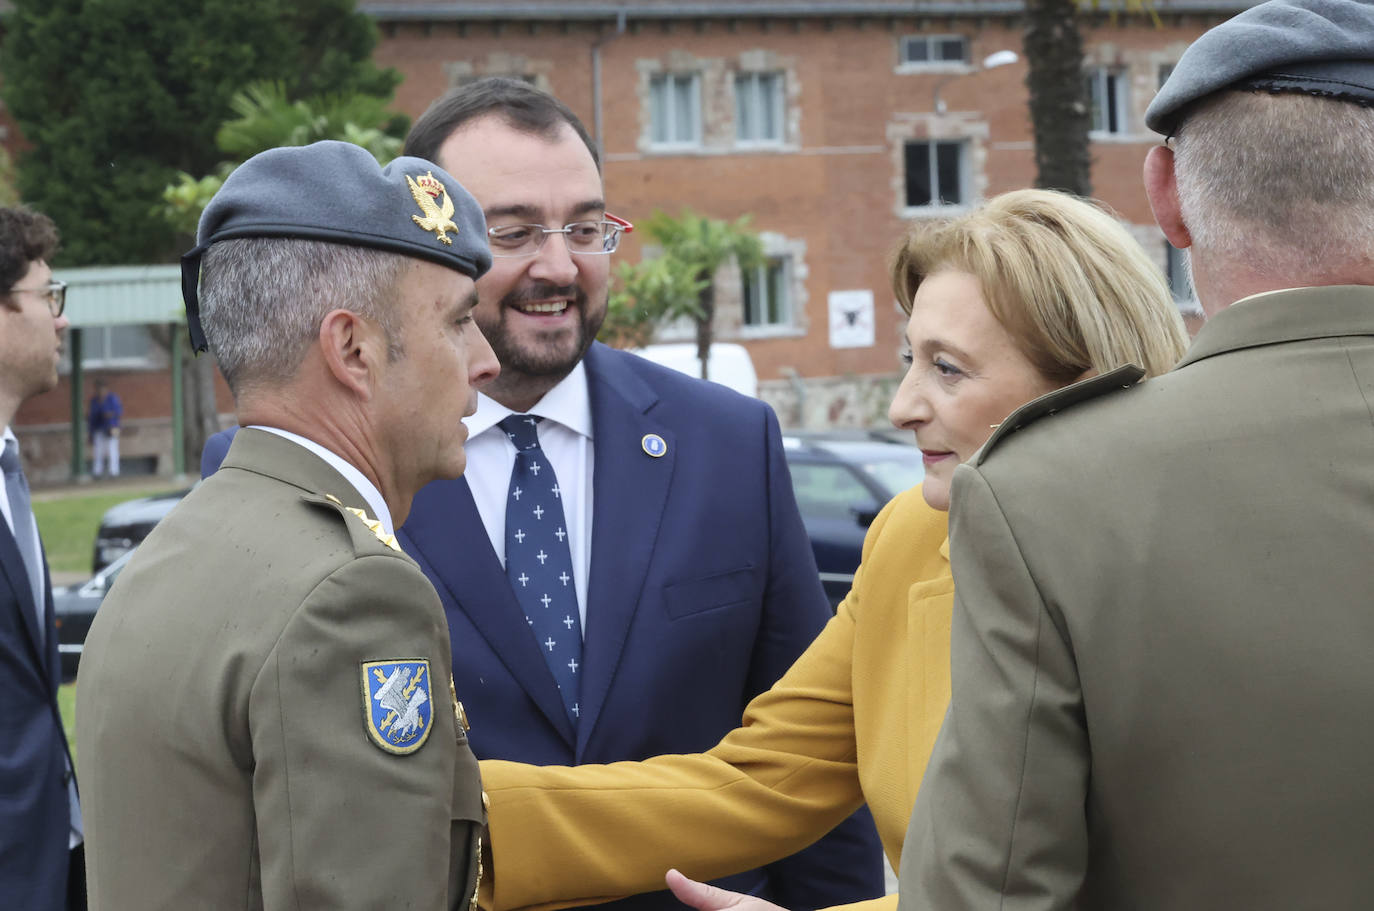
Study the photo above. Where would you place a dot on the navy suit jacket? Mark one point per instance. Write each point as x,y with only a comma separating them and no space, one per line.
703,590
35,819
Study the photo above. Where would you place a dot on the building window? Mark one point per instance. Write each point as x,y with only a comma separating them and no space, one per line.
1106,88
935,174
1180,279
766,300
115,346
758,108
675,109
930,50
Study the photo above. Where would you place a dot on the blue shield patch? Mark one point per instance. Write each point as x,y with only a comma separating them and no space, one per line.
398,703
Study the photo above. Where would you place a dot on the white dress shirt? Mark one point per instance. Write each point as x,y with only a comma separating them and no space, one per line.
5,500
565,435
365,488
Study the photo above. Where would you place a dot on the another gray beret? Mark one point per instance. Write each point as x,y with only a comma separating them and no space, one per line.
336,191
1315,47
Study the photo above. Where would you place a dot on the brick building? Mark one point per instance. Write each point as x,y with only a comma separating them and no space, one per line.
831,123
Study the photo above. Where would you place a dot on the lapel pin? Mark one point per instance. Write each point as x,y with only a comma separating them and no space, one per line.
653,444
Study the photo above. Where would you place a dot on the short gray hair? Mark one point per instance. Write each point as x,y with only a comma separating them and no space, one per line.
262,300
1277,175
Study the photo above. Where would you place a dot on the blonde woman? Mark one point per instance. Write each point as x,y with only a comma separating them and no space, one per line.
1029,293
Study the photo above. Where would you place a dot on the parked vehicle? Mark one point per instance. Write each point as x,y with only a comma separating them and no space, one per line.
124,526
841,482
74,607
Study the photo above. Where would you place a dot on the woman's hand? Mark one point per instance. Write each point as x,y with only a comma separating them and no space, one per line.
706,897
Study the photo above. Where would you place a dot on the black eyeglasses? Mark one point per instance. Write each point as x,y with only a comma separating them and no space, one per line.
54,293
587,238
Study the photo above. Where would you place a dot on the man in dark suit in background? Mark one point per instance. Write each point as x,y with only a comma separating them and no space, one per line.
635,604
40,819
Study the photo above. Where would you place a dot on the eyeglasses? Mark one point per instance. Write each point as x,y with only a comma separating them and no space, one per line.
54,293
585,238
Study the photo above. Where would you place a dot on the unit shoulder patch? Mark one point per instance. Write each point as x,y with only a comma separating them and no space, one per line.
398,703
1060,400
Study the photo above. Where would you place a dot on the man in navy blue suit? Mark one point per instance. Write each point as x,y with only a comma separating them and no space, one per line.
633,605
40,821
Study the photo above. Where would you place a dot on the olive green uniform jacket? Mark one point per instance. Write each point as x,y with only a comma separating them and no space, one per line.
223,709
1163,635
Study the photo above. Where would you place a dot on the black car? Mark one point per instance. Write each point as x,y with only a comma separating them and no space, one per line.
841,483
125,525
74,607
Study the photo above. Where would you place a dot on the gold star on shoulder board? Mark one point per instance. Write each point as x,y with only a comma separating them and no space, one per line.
373,525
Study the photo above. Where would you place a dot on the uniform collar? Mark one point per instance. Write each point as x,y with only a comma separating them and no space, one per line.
1291,315
568,404
365,488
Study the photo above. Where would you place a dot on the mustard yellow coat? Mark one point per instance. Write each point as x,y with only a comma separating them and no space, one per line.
854,720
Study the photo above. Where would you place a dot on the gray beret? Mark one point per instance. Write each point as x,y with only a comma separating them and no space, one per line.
336,191
1315,47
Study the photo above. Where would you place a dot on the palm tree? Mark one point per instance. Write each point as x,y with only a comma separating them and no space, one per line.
700,246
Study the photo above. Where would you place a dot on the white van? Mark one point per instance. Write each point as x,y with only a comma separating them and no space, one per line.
729,364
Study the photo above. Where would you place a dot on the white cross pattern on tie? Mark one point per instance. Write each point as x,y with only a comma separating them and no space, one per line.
539,559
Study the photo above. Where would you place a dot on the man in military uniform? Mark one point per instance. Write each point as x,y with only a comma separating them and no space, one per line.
1163,623
261,721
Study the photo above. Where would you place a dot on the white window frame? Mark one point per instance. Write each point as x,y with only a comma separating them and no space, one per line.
95,351
661,87
763,90
1108,89
759,276
931,43
934,175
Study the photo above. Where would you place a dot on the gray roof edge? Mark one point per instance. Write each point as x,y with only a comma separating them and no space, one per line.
456,9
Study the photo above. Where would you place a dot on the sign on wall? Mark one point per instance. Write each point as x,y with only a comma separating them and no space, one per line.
851,319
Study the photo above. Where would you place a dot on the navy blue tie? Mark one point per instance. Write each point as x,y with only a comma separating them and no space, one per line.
539,560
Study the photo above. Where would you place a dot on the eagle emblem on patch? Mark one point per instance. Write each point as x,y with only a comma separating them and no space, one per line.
398,703
438,216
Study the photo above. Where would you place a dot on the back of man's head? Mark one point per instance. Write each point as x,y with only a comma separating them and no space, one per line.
1273,131
519,104
25,237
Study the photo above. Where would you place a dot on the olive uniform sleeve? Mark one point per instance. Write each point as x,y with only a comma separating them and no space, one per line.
342,822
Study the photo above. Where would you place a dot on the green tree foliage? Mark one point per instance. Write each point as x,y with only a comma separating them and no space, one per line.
680,282
268,118
114,97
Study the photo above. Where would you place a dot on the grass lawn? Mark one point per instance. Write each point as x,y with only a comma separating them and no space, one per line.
66,701
68,521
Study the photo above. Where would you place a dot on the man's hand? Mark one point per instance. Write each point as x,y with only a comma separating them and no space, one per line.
706,897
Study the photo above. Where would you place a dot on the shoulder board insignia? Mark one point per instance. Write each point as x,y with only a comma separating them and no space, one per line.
398,704
1054,402
373,525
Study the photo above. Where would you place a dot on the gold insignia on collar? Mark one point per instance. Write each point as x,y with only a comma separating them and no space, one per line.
373,525
438,217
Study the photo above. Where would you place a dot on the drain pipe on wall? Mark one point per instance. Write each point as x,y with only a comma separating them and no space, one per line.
799,388
596,81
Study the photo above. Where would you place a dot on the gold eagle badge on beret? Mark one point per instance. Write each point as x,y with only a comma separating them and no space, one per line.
438,216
